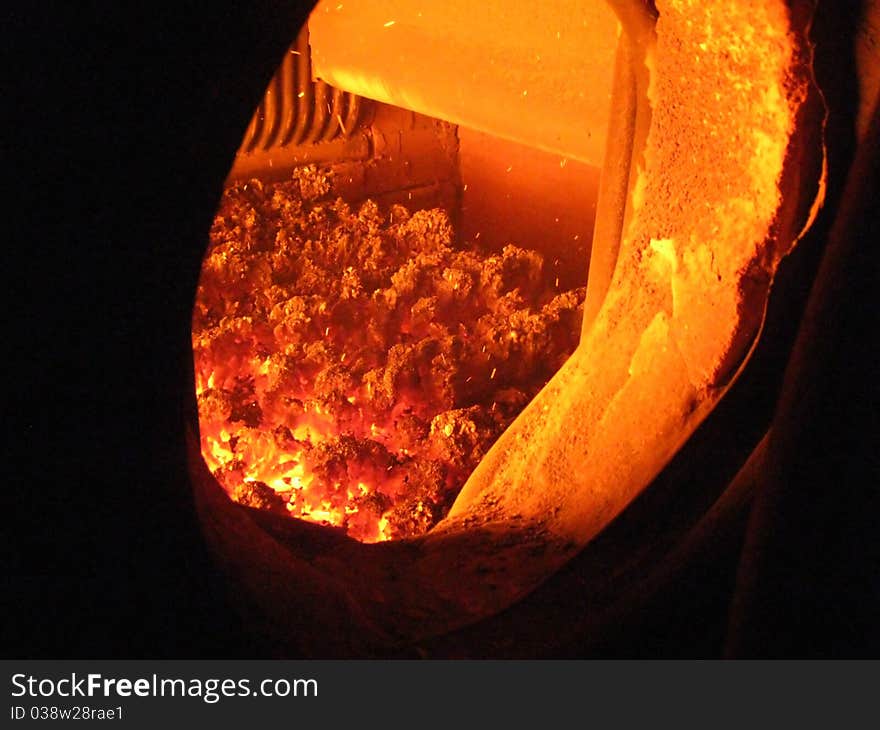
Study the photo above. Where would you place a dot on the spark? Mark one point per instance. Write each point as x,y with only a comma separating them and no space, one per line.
283,460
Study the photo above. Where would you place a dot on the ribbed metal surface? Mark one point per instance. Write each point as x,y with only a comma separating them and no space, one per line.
296,110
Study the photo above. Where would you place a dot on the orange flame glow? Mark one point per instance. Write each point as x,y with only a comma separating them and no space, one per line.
352,369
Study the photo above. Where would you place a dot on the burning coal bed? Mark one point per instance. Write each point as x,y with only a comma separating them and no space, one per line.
353,367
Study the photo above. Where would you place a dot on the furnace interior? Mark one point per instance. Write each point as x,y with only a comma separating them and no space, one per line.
712,170
497,141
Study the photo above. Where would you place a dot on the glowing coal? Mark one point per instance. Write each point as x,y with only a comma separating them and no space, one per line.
353,367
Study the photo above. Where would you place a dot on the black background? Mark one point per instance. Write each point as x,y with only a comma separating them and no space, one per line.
123,120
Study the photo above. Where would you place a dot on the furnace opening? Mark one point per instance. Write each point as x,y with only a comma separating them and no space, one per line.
712,169
398,264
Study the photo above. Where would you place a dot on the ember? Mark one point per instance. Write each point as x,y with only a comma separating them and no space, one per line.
353,367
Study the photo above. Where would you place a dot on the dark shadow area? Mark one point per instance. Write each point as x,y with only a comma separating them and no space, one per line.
124,124
809,577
